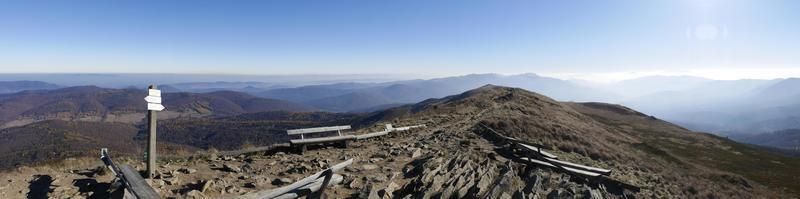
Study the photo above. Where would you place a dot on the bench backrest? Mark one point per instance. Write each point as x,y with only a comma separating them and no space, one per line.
317,130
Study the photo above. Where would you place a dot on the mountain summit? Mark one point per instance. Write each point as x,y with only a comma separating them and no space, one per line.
664,159
458,155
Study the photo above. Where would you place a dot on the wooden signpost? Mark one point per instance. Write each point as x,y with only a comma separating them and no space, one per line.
153,105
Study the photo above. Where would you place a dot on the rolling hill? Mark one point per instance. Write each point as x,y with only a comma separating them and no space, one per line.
54,140
49,141
89,103
246,130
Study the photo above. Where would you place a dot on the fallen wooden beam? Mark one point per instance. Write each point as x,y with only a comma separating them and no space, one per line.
322,139
274,193
136,185
405,128
310,188
536,150
578,166
131,179
371,135
386,131
569,169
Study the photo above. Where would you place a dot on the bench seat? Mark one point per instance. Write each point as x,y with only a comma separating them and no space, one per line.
322,139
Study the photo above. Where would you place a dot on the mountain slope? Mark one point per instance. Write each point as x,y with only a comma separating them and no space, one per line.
91,103
664,159
40,143
241,131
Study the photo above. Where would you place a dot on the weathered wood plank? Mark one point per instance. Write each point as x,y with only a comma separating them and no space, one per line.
274,193
317,130
136,184
582,167
573,170
313,187
405,128
536,150
322,139
371,135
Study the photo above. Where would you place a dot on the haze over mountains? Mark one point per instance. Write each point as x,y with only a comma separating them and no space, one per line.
724,107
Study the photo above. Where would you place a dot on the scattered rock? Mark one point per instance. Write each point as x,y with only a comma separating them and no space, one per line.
351,169
417,153
387,192
172,181
230,189
187,170
206,184
354,184
377,178
195,194
228,158
368,167
281,181
231,168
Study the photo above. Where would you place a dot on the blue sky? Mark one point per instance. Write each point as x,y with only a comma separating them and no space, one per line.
570,39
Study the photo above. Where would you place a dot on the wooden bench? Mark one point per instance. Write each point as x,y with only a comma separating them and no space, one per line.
303,141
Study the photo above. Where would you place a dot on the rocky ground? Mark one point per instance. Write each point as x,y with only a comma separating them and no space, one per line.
424,163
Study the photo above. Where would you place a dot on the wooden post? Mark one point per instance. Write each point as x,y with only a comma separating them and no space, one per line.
151,140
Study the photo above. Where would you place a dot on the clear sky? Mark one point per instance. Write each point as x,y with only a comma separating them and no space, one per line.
599,40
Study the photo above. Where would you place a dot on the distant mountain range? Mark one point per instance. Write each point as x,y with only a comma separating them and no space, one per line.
90,103
17,86
788,139
723,107
359,97
728,107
